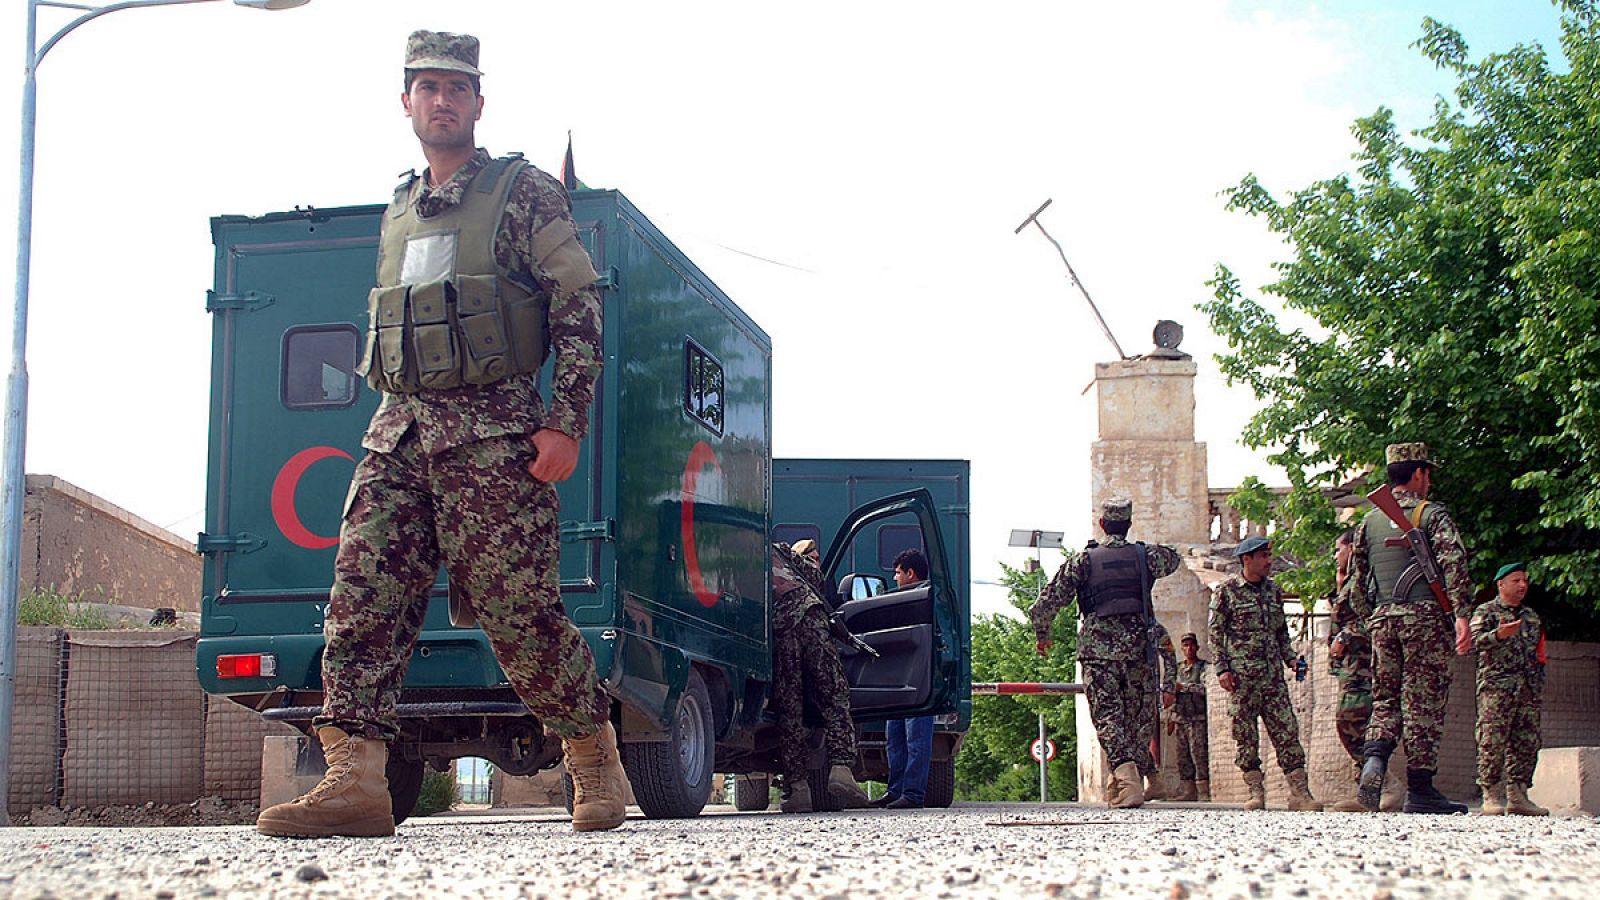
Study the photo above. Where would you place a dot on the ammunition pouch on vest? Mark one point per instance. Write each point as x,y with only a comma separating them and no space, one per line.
449,316
1389,561
1118,581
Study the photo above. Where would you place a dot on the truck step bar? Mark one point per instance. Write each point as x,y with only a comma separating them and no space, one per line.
408,711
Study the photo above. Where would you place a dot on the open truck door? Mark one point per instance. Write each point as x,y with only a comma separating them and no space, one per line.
916,631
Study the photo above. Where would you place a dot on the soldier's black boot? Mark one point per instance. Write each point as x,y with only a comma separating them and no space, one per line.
1369,790
1423,797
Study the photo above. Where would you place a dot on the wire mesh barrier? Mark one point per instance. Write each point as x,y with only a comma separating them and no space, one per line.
107,719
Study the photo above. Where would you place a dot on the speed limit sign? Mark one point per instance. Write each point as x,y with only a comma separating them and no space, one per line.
1043,753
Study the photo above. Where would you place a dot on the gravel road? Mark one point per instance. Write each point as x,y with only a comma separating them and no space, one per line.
1175,852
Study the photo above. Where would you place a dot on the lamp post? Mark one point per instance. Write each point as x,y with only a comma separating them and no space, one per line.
16,410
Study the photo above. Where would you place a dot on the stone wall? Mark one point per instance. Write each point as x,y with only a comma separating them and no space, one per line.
79,544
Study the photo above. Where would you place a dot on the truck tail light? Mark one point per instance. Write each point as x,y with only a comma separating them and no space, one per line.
247,665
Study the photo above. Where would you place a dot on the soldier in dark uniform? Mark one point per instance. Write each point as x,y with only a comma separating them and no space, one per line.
1511,661
1411,633
1111,584
805,664
1250,637
1194,747
462,456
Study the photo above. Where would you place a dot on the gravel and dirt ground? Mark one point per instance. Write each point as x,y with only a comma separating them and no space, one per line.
1010,850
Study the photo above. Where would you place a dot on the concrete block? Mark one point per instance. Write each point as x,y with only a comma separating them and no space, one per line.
1567,781
290,766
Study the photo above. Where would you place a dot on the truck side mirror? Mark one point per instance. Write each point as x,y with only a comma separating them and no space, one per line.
856,586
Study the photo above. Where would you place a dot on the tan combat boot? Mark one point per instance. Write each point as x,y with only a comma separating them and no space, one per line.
1127,787
1155,787
599,786
1186,792
844,790
1494,800
1202,790
1393,798
352,800
1300,799
1255,782
1518,804
798,799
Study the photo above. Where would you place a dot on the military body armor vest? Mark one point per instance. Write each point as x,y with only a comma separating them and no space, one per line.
1388,562
1118,581
444,314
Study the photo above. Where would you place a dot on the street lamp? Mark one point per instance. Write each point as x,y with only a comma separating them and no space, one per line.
16,412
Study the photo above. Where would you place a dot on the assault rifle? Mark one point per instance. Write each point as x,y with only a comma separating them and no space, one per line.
1425,567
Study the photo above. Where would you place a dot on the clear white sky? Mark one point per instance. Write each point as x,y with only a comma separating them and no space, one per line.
879,152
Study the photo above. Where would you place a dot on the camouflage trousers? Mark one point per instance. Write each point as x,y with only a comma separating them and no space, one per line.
1122,705
495,528
1263,695
1194,750
1410,683
805,666
1508,736
1355,710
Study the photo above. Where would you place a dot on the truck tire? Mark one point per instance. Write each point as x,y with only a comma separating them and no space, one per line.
671,779
751,793
941,784
405,785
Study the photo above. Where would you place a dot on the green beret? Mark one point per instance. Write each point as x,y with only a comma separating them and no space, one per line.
1508,568
1251,544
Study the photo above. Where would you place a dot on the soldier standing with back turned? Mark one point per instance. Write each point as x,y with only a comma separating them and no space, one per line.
1250,637
480,277
1411,632
1111,584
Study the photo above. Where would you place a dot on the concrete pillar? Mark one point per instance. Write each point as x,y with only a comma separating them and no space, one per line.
1146,452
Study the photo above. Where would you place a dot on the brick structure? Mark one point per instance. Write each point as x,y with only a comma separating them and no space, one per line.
81,545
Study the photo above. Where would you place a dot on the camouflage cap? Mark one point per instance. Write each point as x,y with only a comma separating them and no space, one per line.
1415,451
1117,509
442,50
1188,638
805,546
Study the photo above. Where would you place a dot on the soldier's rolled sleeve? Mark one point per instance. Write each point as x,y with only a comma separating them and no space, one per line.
1353,595
1451,554
1062,589
1217,624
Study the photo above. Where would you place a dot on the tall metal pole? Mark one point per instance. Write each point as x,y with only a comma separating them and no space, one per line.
1044,764
16,412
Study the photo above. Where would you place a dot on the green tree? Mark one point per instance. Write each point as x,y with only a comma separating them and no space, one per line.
1452,287
994,763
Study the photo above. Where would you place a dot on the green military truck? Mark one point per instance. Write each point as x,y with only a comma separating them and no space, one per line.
664,531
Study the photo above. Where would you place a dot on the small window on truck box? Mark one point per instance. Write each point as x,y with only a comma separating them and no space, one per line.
319,366
793,532
892,539
702,386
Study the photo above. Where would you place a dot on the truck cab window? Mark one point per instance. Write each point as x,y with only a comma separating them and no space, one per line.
319,363
893,539
702,386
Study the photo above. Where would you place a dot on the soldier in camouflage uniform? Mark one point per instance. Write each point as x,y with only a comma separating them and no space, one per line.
1111,584
806,664
1251,640
462,456
1411,633
1511,661
1194,747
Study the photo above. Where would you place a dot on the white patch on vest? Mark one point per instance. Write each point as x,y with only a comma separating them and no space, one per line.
429,257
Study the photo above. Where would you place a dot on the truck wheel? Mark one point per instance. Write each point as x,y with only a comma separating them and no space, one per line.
941,783
751,793
405,785
671,779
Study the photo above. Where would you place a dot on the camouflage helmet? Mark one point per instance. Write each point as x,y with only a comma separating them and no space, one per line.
442,50
1116,509
1416,451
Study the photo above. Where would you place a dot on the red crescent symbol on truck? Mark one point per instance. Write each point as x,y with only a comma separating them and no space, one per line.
283,491
701,456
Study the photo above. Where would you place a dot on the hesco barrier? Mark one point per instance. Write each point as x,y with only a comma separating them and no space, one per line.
117,718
